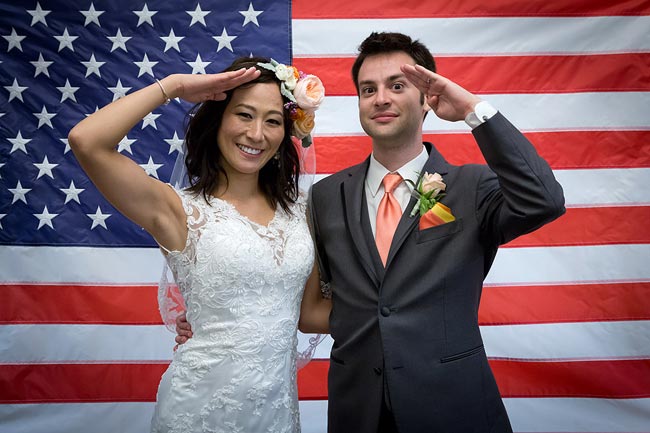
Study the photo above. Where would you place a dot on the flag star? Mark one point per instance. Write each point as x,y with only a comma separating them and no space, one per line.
1,164
45,218
224,40
19,193
41,66
151,168
92,15
198,15
14,40
144,16
172,41
67,145
146,66
198,66
119,41
250,15
99,218
2,215
150,120
15,91
65,40
44,118
125,144
72,193
38,15
92,66
175,143
45,167
67,91
119,90
19,143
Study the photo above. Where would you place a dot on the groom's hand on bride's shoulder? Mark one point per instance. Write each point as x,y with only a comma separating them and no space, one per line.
183,329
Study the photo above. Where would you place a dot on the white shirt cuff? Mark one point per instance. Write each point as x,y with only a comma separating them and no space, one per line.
483,111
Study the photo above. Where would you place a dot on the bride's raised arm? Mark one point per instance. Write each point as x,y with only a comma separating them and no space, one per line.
141,198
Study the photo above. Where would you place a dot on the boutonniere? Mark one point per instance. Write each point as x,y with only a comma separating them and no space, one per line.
429,190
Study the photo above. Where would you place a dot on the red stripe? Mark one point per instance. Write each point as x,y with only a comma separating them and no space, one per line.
512,305
108,305
304,9
499,305
69,383
562,150
592,226
535,74
593,379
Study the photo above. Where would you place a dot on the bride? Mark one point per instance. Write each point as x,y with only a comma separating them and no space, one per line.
236,239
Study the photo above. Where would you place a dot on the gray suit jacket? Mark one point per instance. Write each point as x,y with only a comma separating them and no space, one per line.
413,326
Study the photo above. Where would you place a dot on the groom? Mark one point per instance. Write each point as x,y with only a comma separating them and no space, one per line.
407,354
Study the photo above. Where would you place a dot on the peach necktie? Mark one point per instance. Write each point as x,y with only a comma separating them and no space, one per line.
388,215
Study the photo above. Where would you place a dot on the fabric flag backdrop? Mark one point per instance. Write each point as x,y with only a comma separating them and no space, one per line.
565,313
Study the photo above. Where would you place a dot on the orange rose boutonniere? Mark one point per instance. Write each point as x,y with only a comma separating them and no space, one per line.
429,190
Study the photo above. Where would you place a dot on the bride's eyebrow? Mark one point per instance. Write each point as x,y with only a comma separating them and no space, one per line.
252,108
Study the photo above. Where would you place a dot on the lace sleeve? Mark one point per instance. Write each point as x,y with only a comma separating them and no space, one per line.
170,300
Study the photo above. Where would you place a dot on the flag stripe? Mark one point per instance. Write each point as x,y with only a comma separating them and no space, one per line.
143,344
84,304
529,112
138,305
562,150
569,341
592,226
569,264
607,379
536,74
480,36
564,303
58,383
537,415
344,9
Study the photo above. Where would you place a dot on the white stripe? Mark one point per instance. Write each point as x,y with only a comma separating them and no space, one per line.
571,341
339,115
600,263
539,265
63,343
113,417
544,415
539,415
76,418
480,36
584,188
106,343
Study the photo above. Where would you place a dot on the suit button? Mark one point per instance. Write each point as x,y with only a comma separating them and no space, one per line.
377,370
385,311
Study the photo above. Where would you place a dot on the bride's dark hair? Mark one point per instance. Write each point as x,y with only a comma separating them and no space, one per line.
278,179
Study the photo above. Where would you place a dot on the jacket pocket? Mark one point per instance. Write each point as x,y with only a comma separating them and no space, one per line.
440,231
462,355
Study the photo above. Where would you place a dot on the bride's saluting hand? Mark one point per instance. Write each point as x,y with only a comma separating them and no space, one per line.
197,88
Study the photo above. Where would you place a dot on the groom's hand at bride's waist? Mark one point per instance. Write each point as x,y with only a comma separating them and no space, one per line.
183,329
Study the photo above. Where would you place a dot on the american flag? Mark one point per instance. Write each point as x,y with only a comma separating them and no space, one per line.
565,313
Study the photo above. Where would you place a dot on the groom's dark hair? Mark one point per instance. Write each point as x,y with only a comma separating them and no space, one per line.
386,42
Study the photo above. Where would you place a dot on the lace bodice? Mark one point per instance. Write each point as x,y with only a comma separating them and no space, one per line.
242,284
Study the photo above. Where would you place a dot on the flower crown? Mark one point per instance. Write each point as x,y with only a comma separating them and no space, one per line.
305,93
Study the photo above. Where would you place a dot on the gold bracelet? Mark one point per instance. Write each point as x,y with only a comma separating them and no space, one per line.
167,98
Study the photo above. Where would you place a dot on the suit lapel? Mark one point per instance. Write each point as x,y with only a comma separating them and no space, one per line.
354,204
435,164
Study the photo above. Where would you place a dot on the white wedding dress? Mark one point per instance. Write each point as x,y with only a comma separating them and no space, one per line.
242,284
